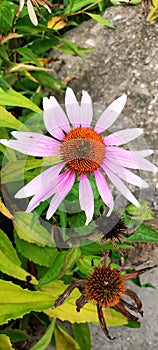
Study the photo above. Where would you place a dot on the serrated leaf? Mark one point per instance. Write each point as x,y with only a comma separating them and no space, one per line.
36,234
16,302
46,339
9,261
7,120
142,213
5,343
67,311
13,98
63,340
42,256
100,19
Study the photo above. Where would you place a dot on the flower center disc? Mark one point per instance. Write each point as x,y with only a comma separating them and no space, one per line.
83,150
105,286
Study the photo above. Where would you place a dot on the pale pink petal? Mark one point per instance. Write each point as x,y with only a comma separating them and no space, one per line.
128,159
124,174
110,115
86,198
123,136
33,144
21,5
143,152
55,119
66,181
104,190
122,188
86,110
41,182
73,108
31,13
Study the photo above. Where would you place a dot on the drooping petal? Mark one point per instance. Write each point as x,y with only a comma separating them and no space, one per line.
128,159
31,13
66,181
33,144
110,115
86,110
73,108
55,119
123,136
41,182
86,198
122,188
104,190
124,174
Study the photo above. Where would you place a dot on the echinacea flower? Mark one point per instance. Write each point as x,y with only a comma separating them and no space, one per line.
84,152
106,287
30,8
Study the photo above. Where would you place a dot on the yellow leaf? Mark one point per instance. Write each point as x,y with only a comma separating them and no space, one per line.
67,311
152,15
56,23
63,340
5,343
20,67
5,211
10,36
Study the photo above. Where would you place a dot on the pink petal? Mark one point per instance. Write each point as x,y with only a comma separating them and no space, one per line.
104,190
39,185
128,159
31,13
122,188
66,181
124,174
86,198
73,108
123,136
110,115
54,118
33,144
86,110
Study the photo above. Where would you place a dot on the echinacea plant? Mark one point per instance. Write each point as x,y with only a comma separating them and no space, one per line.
105,286
84,151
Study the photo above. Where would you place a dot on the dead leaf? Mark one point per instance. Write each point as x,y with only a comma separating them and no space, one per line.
56,23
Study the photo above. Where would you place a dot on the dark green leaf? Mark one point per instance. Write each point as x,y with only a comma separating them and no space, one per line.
82,335
53,272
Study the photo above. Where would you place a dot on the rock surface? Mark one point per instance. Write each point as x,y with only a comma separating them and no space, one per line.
123,59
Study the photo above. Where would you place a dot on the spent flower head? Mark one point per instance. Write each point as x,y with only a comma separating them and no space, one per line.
85,151
106,287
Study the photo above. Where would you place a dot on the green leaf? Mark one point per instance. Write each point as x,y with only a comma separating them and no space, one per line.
7,120
144,233
36,234
142,213
63,340
9,261
100,19
48,80
6,15
13,98
53,272
69,260
42,256
77,5
28,54
84,341
16,302
5,343
72,47
46,339
15,335
16,170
